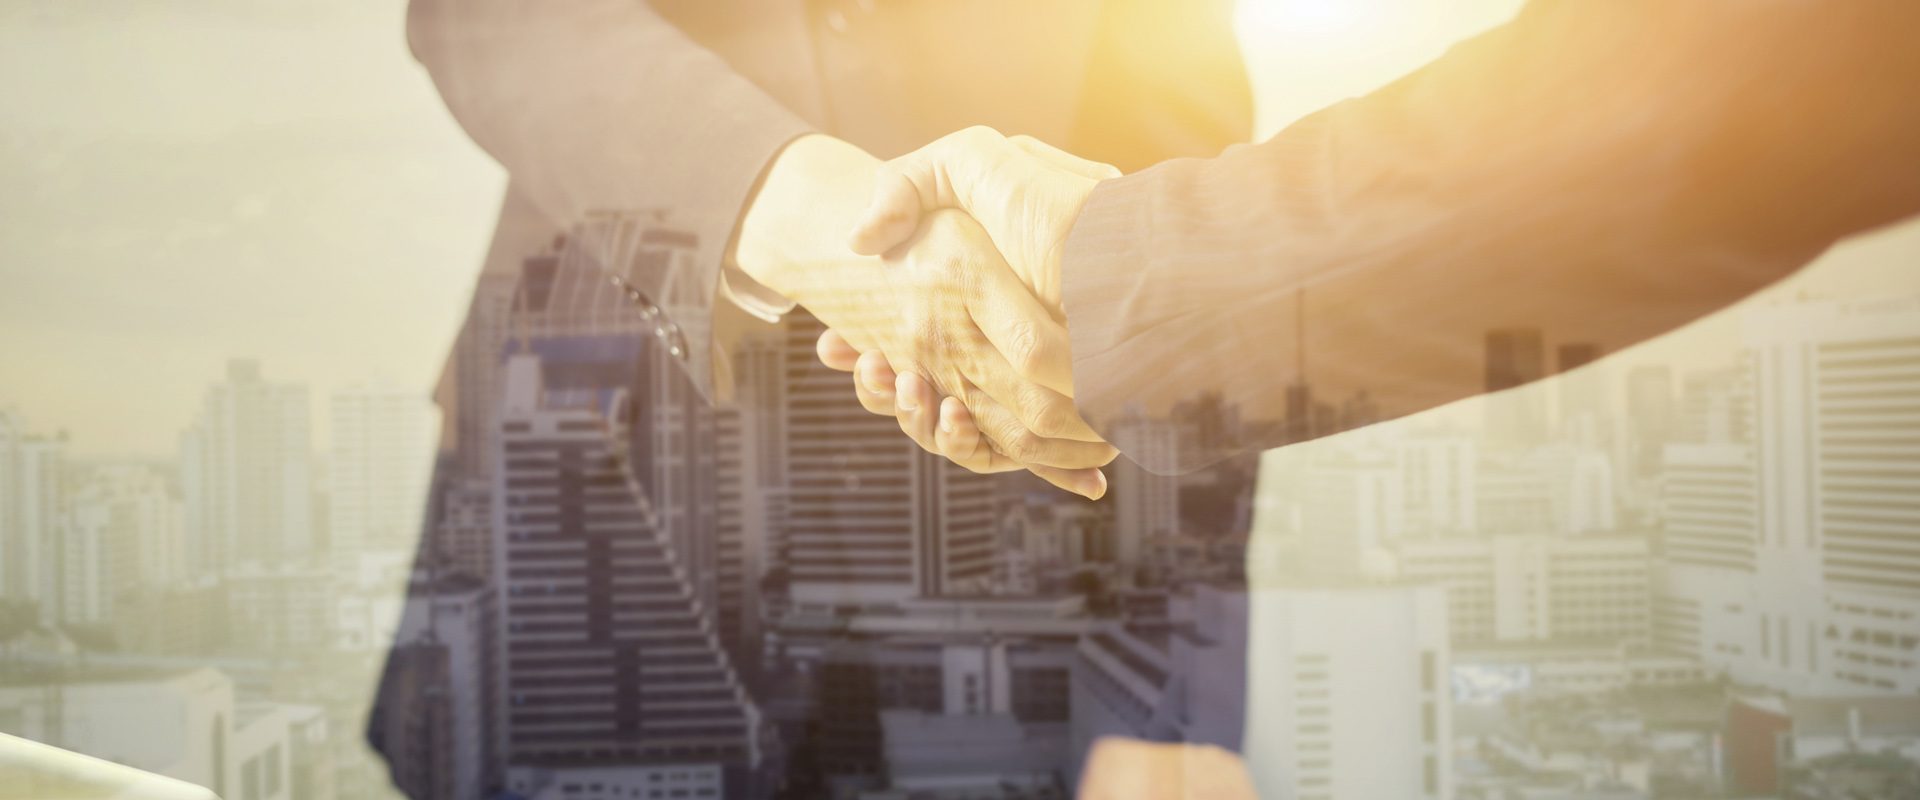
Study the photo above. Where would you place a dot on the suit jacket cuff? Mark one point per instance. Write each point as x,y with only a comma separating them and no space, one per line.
1099,275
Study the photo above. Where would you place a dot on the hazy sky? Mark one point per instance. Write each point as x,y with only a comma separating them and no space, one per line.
185,182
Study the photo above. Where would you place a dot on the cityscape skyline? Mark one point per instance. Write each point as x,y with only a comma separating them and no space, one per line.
1594,558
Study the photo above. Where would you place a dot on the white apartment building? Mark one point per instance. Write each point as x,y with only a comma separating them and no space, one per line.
31,500
382,461
1347,693
1537,588
246,473
1793,561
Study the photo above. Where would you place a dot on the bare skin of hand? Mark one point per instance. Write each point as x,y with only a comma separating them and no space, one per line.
1130,769
1026,195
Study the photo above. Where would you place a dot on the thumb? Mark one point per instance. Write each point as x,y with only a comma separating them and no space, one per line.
894,214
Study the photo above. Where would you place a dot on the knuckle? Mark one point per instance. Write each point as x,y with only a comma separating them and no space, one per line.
1023,347
1023,445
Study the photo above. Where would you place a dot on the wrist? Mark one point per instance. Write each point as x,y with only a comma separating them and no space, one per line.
812,191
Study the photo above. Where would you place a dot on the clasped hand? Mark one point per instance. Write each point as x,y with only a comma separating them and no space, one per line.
1025,196
947,308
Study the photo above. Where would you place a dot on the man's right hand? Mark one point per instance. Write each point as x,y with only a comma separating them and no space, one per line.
944,305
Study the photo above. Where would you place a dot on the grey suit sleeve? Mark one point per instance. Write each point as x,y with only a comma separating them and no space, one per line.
605,114
1601,172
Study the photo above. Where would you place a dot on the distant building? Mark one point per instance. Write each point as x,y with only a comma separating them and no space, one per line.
124,535
1537,588
31,522
246,474
872,519
1515,357
1146,507
1793,561
1348,694
1007,658
438,722
259,750
382,460
609,656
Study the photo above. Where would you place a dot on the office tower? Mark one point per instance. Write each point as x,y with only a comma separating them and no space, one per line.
610,657
1146,507
1584,411
1794,562
740,545
30,514
1651,416
1716,405
760,381
1353,508
1439,475
871,518
1834,388
245,473
1515,357
1537,588
463,528
439,730
381,464
1708,543
1350,693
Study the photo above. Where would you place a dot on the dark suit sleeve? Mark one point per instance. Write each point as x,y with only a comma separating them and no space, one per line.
604,113
1601,172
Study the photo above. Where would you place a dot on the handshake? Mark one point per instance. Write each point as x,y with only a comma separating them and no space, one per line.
945,298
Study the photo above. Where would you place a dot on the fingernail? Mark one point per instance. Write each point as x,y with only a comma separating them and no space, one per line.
878,387
1094,487
946,425
906,403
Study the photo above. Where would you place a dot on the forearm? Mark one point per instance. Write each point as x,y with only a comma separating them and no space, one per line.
1599,173
792,235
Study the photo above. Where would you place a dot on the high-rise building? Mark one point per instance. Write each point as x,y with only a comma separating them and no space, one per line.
1348,693
1146,507
439,730
1515,357
1353,508
463,528
610,657
1651,417
123,535
1716,405
1537,588
739,543
382,460
1794,562
31,504
1439,479
1584,392
245,473
872,519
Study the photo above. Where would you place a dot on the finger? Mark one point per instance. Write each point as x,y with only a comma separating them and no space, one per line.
917,408
895,211
961,442
1064,160
946,173
835,352
1012,439
873,383
1033,344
